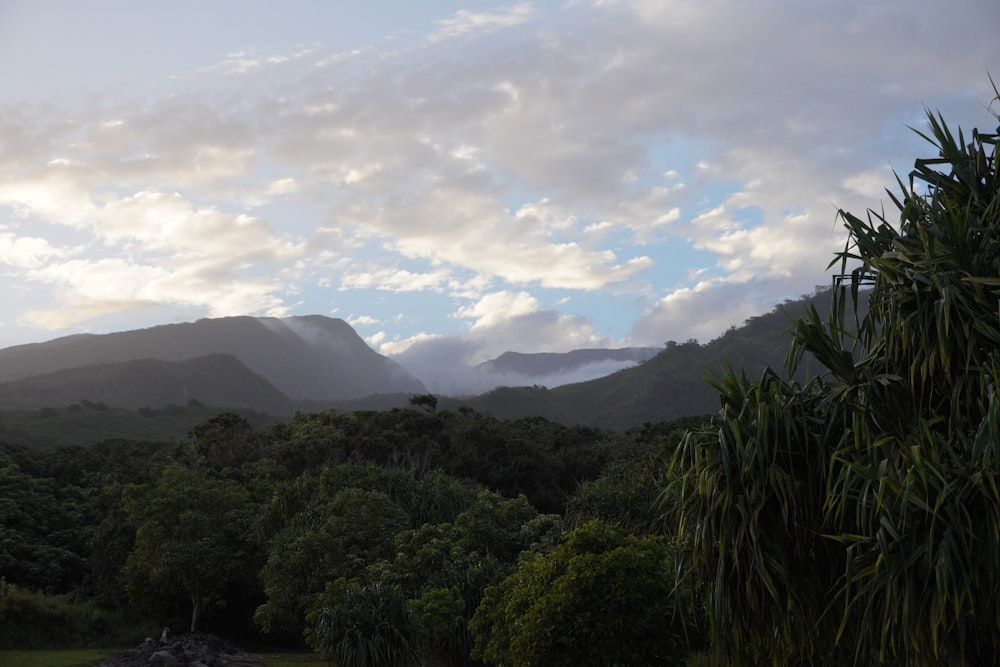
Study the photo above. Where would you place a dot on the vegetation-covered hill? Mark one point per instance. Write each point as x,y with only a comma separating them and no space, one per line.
216,379
305,358
668,386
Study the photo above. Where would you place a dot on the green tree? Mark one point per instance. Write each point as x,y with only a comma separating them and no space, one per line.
225,441
602,598
627,493
328,540
855,518
192,537
42,539
444,568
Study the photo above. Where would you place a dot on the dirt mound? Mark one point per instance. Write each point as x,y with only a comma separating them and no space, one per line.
190,650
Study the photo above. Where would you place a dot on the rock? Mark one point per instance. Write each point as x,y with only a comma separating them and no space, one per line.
191,650
162,659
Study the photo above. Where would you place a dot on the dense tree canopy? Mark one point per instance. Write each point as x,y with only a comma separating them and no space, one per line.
602,597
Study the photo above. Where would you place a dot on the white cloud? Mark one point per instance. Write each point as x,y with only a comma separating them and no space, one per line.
701,312
498,307
363,320
582,148
466,23
26,252
501,321
167,223
392,279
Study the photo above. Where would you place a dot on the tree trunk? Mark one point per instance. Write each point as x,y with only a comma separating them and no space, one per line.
196,603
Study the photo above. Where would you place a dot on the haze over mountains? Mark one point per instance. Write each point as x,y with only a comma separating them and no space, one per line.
257,362
311,363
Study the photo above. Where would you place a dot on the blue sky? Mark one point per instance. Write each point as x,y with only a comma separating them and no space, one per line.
457,179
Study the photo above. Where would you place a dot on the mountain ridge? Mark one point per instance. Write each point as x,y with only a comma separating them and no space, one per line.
540,364
314,358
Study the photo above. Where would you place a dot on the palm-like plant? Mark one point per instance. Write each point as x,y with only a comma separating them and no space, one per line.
363,625
750,489
857,518
914,492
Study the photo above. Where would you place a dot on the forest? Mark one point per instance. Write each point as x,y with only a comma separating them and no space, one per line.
849,518
301,529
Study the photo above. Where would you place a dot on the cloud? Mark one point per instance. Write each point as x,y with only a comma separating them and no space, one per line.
509,150
501,321
91,288
161,222
466,23
704,311
362,320
392,279
26,252
499,307
154,249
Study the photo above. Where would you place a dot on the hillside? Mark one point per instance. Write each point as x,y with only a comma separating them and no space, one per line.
304,358
213,380
670,385
540,364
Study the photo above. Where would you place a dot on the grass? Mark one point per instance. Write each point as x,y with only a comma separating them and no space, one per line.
91,656
54,657
293,660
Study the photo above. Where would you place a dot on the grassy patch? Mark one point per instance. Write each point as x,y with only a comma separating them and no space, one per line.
293,660
53,658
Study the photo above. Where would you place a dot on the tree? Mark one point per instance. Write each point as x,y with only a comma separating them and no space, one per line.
192,537
854,518
226,440
428,402
627,493
443,569
330,539
42,541
603,598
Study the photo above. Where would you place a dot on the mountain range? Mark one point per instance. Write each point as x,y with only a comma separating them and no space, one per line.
264,363
670,385
277,365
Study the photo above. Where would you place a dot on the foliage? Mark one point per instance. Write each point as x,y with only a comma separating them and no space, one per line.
917,479
235,516
602,597
333,537
628,493
33,620
858,515
95,422
225,441
41,539
751,491
363,625
444,568
192,537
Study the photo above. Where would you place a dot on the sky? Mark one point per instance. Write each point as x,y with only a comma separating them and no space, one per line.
458,179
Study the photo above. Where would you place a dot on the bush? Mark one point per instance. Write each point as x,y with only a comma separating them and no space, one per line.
32,620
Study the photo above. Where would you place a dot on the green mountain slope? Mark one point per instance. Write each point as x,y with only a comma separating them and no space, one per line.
305,358
670,385
216,380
